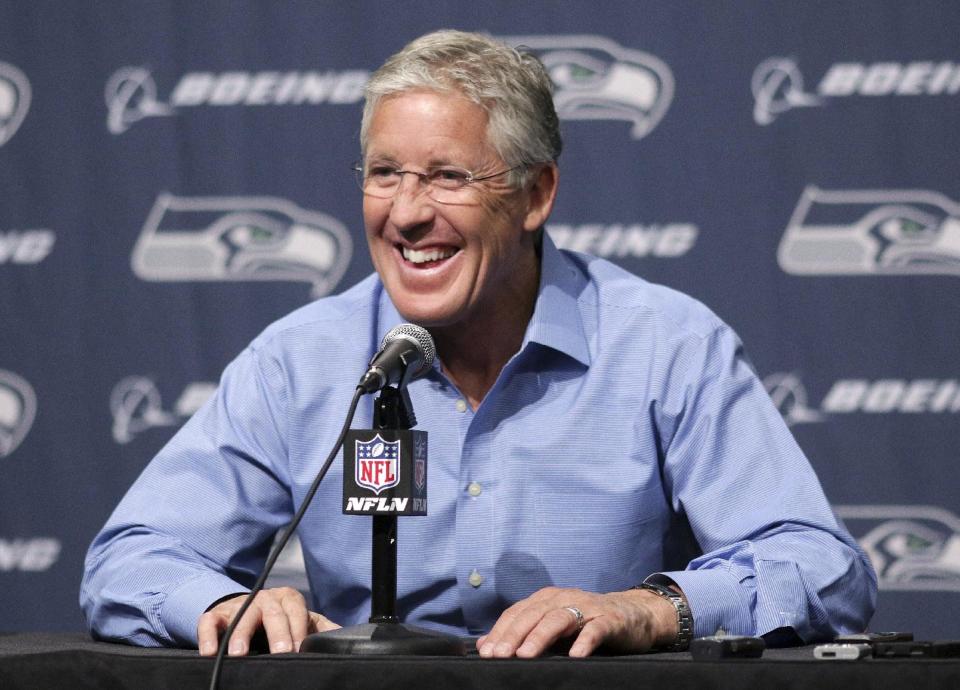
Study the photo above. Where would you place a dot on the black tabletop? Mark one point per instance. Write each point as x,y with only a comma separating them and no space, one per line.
70,660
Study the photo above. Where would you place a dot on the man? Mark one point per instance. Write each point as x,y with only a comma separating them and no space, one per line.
585,426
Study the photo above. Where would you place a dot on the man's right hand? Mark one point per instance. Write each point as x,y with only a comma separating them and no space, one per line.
281,612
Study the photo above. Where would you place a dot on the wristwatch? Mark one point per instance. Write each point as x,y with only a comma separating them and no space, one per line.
684,617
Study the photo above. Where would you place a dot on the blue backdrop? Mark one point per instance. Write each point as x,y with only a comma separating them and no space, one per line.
176,175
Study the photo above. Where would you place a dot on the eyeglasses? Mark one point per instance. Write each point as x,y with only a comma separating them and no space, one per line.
444,183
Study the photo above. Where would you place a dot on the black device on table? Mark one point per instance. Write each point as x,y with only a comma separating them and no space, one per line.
727,647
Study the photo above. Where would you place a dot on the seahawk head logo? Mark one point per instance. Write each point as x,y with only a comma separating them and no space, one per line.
912,547
241,239
596,79
909,553
850,232
18,407
14,100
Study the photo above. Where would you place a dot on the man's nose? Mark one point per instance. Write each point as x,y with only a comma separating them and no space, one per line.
411,205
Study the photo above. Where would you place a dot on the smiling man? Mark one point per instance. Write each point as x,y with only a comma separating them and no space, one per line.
605,466
464,262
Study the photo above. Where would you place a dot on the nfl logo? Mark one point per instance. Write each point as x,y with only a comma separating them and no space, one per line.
377,467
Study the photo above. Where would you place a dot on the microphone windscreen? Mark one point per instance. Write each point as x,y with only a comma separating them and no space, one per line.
418,335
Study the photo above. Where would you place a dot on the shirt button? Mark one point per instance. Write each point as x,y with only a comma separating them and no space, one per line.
474,489
476,579
461,405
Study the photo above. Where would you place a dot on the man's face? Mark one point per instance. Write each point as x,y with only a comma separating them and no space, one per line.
445,264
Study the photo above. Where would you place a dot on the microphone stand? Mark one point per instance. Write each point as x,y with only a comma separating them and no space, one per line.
385,634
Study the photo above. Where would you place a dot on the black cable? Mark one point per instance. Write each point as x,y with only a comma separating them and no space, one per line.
278,547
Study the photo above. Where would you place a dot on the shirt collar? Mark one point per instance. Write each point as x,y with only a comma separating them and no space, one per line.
556,322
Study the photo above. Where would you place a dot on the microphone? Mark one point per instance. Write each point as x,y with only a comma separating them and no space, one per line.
406,352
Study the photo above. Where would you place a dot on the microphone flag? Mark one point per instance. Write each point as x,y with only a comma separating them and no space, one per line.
385,472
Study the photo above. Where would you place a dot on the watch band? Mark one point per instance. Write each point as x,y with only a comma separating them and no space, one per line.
684,616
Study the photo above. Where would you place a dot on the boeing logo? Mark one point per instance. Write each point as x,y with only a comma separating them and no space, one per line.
777,86
136,406
14,100
241,239
872,232
912,547
596,79
26,246
18,407
28,555
849,396
777,83
893,395
617,240
131,92
790,397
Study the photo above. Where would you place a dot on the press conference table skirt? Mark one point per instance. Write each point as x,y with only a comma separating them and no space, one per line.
72,660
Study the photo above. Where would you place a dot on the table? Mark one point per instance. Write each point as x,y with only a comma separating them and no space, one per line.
73,660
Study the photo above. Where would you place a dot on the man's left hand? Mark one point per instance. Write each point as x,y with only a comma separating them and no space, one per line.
631,621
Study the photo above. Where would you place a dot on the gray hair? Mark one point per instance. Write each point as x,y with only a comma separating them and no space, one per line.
512,86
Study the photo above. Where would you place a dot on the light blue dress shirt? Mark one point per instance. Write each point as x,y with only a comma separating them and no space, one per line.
627,436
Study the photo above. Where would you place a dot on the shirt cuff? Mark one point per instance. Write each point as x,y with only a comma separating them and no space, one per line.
183,606
716,599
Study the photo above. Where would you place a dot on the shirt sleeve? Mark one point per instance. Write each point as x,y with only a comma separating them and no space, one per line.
774,554
169,550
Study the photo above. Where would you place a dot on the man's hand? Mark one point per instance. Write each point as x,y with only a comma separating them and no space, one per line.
282,612
631,621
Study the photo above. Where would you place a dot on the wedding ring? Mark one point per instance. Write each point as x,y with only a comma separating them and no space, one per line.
577,614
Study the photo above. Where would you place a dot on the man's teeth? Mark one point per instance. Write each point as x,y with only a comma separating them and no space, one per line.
421,257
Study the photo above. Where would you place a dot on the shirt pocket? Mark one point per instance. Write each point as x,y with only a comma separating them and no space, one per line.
600,543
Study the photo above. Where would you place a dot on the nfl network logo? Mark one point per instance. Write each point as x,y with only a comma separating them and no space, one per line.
377,467
420,462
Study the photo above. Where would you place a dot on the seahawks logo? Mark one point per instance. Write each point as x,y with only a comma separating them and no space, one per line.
241,239
14,100
911,547
18,407
596,79
872,232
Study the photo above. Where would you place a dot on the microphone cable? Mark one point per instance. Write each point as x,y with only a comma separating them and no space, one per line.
278,547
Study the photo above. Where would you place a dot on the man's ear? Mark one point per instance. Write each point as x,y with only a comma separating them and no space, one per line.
541,195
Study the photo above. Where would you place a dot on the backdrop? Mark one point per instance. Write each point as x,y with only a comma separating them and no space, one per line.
176,175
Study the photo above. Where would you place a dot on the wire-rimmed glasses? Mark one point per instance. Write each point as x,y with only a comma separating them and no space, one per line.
446,184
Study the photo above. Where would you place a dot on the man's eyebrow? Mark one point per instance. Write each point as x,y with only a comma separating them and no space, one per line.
380,158
433,162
